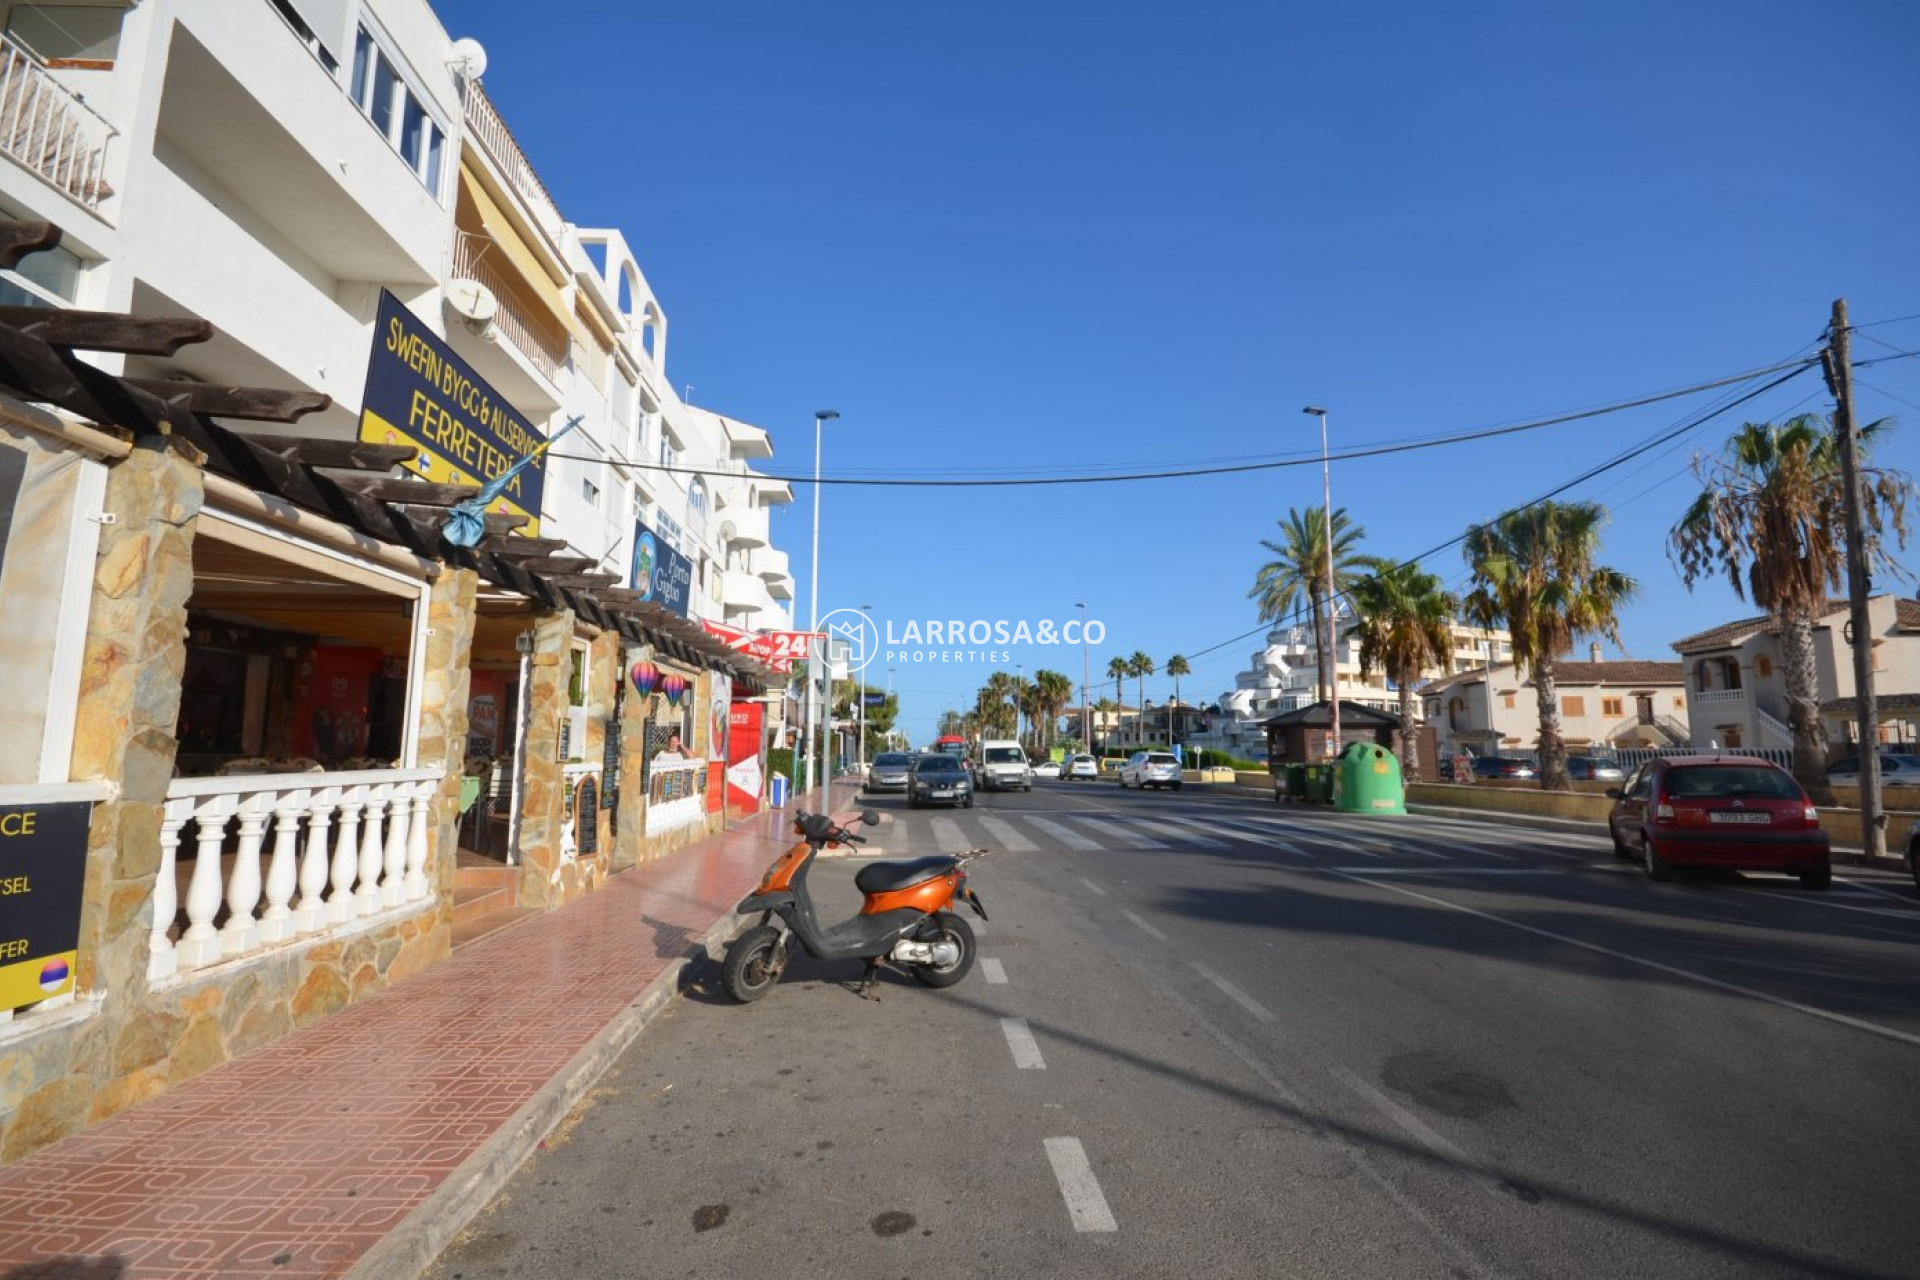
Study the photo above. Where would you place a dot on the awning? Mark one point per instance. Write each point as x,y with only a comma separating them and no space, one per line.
511,251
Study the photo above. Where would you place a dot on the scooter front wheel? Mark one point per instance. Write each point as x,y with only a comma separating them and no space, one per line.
946,927
753,964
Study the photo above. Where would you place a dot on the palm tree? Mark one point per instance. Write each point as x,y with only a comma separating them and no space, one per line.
1118,669
1176,667
1769,515
1298,575
1034,708
1403,629
1140,666
995,704
1534,572
1055,692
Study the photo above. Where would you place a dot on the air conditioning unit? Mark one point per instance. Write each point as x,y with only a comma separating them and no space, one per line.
474,304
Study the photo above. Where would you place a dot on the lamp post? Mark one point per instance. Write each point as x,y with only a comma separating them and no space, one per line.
1333,657
816,652
1086,678
896,717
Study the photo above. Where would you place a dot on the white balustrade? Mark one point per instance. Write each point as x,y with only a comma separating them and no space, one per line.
1708,696
377,821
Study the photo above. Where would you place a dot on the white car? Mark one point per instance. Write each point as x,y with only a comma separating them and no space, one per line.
1047,769
1151,769
1895,771
1082,767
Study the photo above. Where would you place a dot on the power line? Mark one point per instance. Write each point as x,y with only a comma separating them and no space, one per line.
1299,460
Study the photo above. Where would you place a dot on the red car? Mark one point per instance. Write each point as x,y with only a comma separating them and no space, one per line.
1733,812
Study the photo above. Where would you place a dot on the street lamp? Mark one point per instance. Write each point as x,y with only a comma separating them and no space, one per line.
1086,678
816,652
1333,657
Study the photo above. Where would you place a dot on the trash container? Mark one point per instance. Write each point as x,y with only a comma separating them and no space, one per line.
777,791
1294,782
1370,780
1316,783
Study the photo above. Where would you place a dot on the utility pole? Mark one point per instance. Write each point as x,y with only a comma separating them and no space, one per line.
1837,361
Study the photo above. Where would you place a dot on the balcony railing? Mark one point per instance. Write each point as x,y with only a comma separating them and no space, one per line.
484,123
547,354
1707,697
352,845
46,127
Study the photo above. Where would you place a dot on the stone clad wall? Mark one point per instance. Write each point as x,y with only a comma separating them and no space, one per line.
545,882
125,1042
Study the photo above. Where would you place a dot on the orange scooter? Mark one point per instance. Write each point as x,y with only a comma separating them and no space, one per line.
905,918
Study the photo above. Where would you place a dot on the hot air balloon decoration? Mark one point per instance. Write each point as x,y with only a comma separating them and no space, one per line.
645,676
675,687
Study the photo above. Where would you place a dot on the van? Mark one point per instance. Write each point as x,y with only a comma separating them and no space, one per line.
1003,766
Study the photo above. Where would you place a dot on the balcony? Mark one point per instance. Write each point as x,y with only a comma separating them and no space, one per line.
1717,697
485,125
744,592
46,128
771,565
744,441
544,351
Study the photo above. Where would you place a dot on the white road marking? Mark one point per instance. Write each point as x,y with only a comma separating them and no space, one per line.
994,972
1127,831
1078,1187
1874,888
1821,900
1181,834
1009,836
1026,1051
1098,892
948,835
1369,876
1066,835
1145,928
1235,994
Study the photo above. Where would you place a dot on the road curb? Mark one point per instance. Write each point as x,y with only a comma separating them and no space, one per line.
413,1246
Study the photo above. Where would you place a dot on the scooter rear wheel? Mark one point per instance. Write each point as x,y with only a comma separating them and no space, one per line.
950,928
752,965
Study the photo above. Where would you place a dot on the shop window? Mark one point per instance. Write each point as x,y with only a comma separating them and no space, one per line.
85,36
397,110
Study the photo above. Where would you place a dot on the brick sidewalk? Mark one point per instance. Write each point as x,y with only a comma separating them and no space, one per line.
359,1145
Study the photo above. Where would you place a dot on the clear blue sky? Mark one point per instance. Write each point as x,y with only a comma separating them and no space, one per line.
1074,234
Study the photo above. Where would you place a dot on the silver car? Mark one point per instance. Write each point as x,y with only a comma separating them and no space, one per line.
1895,771
889,772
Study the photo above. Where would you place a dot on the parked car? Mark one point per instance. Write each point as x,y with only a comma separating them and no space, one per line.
1594,769
1145,769
1047,769
940,779
889,772
1895,771
1082,767
1727,811
1003,767
1502,767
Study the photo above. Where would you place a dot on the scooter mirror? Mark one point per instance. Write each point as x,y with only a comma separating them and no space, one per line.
869,817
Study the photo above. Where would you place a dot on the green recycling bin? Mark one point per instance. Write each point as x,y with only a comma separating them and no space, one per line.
1294,783
1317,787
1370,780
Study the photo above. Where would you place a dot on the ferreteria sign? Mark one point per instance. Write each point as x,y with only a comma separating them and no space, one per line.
43,871
419,392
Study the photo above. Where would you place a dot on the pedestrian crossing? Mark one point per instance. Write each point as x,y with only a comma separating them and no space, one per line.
1287,838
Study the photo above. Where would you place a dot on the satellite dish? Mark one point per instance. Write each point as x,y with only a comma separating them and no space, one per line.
475,304
467,59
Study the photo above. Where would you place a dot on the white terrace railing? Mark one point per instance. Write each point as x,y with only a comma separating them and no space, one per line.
1710,696
46,127
546,354
485,124
350,845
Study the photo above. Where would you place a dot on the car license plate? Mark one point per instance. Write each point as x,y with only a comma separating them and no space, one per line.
943,795
1752,819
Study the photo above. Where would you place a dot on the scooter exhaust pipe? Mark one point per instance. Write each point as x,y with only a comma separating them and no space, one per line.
942,953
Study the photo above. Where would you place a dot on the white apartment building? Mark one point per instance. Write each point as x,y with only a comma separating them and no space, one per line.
274,166
1283,676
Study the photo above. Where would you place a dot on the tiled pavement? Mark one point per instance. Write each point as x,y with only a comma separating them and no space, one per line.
358,1145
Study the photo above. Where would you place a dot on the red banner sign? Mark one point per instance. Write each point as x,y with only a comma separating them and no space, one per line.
746,780
778,649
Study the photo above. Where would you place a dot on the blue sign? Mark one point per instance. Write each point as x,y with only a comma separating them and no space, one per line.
660,573
420,393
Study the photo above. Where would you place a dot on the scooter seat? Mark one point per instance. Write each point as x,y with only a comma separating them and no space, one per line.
882,877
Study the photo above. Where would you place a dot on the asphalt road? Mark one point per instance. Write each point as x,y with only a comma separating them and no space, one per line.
1214,1036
